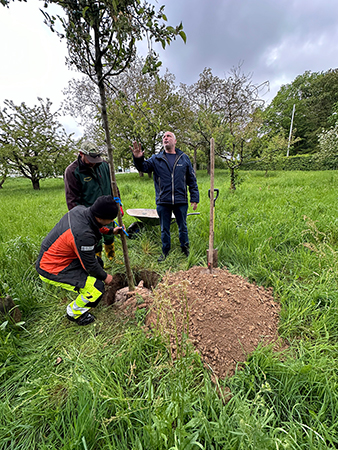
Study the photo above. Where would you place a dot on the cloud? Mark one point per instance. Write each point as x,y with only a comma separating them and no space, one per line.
33,59
275,40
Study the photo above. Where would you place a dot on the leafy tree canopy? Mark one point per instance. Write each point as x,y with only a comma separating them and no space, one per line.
140,107
33,142
314,95
224,108
102,34
328,142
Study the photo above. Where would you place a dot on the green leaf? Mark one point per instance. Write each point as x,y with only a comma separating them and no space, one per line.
183,36
84,11
4,325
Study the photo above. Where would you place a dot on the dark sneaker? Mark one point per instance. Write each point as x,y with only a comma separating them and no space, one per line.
185,250
84,319
161,258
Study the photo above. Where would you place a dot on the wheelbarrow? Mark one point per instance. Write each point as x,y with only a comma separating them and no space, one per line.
146,217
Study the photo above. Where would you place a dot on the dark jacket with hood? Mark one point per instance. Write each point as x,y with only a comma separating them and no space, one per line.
171,183
84,184
67,253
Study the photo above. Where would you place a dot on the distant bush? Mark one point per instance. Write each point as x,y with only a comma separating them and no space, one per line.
297,162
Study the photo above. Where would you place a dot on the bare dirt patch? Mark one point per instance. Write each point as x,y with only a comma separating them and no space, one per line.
224,316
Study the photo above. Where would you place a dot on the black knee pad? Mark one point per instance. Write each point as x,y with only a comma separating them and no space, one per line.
93,304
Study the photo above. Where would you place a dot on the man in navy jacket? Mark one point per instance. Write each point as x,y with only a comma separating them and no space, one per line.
173,174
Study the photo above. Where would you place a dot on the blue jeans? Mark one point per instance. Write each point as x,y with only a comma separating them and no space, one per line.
180,213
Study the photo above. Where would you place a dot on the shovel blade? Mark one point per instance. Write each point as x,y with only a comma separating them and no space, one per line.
214,258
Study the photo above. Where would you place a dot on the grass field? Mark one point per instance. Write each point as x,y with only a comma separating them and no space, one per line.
117,387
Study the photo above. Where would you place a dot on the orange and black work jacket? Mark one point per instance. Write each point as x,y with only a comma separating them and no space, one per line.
67,253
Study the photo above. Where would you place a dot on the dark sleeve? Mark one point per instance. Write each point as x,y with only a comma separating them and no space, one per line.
86,248
192,183
72,189
104,168
144,165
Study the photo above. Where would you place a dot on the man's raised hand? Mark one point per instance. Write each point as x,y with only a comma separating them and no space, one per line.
137,150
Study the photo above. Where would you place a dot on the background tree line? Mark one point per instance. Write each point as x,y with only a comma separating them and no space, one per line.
142,106
230,109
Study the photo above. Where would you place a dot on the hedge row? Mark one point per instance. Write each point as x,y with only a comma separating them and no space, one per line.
298,162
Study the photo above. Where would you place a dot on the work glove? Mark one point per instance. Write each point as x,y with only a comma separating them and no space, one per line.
107,231
110,250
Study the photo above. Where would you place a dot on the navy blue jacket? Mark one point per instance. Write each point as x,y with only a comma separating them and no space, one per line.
171,185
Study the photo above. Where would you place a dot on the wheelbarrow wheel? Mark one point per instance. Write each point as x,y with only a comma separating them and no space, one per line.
134,229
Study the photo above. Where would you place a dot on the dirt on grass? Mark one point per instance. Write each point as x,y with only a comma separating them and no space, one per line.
224,316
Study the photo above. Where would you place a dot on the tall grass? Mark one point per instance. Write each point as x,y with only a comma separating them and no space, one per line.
114,386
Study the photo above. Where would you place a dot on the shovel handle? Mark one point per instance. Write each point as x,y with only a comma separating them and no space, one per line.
217,194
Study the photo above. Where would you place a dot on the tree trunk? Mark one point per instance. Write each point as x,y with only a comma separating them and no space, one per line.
232,179
103,99
208,165
195,159
36,185
3,179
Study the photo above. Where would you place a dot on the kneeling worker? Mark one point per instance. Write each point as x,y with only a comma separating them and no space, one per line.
67,256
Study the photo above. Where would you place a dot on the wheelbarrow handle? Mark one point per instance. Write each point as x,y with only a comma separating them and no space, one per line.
173,220
217,194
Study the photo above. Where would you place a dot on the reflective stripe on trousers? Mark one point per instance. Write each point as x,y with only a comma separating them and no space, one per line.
89,296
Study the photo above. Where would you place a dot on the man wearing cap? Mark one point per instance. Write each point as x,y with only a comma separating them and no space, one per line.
67,256
86,179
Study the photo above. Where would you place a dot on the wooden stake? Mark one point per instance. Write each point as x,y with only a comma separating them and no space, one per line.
212,217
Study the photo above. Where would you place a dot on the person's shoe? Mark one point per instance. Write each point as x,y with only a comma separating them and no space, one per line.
84,319
185,250
161,258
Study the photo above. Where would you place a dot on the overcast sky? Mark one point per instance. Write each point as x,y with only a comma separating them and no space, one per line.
275,40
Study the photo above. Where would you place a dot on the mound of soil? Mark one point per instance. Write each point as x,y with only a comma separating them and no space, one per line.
224,316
